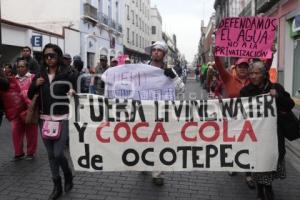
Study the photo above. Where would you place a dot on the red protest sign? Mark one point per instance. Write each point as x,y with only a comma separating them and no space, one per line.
250,37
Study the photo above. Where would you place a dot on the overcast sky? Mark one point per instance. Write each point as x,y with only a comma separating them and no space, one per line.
183,18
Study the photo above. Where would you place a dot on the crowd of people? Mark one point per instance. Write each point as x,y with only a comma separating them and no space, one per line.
25,79
249,77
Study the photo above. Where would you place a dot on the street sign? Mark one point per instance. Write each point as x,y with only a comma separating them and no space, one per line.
37,41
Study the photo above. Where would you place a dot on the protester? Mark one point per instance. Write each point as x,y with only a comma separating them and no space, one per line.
67,60
31,62
209,76
203,72
15,108
158,51
84,79
4,85
92,87
100,69
260,84
54,118
113,62
216,86
25,78
232,86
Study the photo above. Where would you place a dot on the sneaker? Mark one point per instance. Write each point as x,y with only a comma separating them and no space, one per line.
158,181
17,158
29,157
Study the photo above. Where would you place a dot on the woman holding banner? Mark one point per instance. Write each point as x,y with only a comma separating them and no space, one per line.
260,84
52,85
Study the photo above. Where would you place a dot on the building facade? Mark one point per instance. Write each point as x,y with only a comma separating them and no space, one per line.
286,59
156,25
99,23
14,36
137,25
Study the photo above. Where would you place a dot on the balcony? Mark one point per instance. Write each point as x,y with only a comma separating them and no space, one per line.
90,12
119,28
103,19
264,5
112,23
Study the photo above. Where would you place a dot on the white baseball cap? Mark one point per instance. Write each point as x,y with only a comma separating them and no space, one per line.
157,45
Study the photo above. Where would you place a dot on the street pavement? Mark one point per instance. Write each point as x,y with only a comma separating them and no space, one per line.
31,180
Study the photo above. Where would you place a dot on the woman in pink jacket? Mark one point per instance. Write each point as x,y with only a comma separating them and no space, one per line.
25,78
14,107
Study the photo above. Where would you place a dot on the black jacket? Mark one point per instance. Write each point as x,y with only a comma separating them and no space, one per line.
284,104
46,99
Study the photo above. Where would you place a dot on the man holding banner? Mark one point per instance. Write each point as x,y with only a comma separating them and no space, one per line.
158,52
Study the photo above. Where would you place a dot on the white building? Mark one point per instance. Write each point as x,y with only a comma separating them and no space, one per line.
17,35
98,22
156,25
137,29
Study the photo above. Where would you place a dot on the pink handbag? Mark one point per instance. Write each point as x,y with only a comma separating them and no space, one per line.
51,130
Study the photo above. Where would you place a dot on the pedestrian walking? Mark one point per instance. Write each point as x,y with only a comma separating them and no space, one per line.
83,78
4,85
260,84
100,69
24,78
15,109
33,65
232,86
53,106
158,51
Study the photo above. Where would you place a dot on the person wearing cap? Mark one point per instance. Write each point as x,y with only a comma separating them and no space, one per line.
67,60
158,52
113,62
76,57
233,85
100,69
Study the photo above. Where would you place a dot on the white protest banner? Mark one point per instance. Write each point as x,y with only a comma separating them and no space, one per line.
139,82
250,37
212,135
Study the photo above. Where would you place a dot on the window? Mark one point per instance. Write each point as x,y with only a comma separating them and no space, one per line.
140,5
132,38
90,59
132,12
153,30
137,40
128,14
117,12
128,36
137,21
140,41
